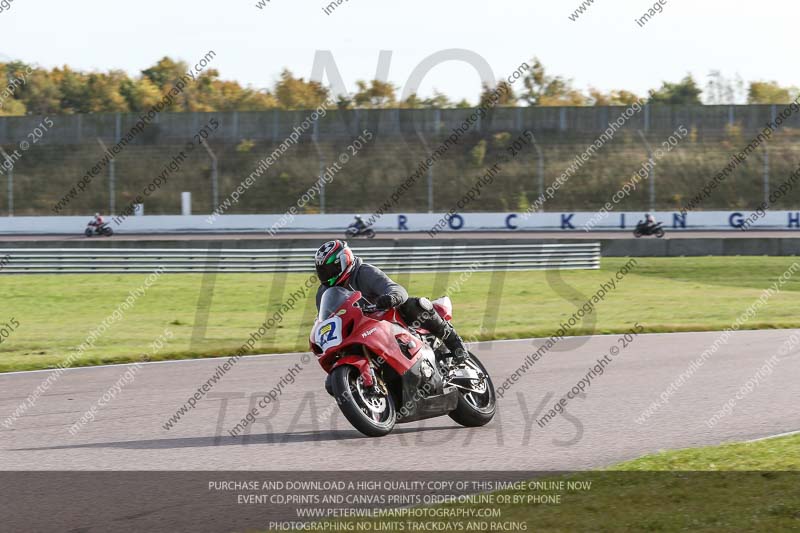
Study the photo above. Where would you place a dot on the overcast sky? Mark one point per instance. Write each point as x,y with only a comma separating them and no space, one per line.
604,48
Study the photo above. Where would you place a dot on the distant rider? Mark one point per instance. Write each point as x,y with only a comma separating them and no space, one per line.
97,221
337,266
649,221
360,224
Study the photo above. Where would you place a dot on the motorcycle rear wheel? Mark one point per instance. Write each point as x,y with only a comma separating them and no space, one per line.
474,409
373,414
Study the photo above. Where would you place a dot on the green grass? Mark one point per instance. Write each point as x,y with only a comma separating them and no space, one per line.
735,487
56,313
766,455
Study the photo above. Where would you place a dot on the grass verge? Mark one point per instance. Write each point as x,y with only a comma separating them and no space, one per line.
735,487
214,315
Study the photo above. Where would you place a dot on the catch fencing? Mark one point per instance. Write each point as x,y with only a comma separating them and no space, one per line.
392,259
533,146
275,126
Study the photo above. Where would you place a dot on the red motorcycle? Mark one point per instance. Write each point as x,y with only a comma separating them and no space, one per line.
382,372
98,229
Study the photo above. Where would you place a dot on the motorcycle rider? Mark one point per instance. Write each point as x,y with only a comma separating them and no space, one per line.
97,221
337,266
359,228
359,223
649,221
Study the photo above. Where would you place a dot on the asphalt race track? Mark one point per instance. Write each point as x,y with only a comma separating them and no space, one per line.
297,433
456,235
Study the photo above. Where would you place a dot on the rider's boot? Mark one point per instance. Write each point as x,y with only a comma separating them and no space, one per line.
421,313
455,344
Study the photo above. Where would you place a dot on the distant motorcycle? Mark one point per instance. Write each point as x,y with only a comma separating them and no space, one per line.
101,229
359,229
645,229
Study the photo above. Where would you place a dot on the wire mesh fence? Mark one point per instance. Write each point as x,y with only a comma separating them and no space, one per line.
213,165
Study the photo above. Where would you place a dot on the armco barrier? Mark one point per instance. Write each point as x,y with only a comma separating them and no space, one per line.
392,259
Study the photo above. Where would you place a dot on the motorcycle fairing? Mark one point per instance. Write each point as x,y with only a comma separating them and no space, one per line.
424,398
358,330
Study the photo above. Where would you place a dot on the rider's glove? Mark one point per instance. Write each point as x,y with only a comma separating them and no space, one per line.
387,301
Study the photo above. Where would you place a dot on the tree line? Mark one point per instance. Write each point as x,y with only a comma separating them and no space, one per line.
62,90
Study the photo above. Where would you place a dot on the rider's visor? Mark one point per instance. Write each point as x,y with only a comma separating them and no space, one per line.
328,274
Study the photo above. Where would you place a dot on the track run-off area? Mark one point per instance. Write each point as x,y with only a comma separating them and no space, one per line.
303,430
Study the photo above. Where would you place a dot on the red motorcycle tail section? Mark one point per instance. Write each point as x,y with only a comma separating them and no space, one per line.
444,306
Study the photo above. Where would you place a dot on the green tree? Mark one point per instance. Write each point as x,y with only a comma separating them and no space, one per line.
203,94
103,93
544,90
11,105
231,97
478,153
72,87
40,94
296,93
615,97
140,95
437,101
769,92
685,92
375,94
344,101
166,72
500,96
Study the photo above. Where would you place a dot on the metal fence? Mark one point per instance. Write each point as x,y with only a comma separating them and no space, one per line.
43,175
275,126
392,259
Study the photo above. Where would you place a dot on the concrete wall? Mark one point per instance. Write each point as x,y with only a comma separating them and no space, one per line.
399,222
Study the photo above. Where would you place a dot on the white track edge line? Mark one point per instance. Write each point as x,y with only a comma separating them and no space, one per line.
788,433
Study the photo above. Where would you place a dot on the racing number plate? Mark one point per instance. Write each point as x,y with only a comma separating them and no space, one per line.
329,333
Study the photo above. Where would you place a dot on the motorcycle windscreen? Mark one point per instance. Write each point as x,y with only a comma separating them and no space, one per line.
332,300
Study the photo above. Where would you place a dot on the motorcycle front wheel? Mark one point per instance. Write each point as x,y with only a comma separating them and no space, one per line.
369,234
660,233
369,411
88,232
476,406
108,232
